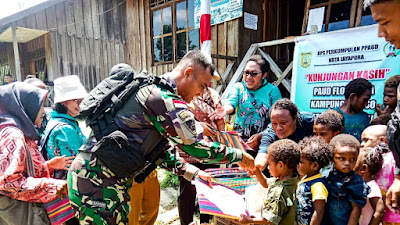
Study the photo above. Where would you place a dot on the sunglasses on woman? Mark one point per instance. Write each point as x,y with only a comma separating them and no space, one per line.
252,74
78,101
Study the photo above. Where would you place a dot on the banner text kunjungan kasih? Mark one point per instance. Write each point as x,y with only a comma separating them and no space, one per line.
374,74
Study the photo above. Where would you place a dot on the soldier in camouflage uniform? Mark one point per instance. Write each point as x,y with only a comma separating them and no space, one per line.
97,195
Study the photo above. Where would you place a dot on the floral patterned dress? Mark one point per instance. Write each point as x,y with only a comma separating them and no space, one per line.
14,180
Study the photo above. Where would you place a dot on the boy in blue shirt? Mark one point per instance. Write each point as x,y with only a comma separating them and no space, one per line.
347,190
357,93
311,192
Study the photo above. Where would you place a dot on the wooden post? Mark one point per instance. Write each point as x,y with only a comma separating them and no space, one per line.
16,53
359,12
265,21
353,13
305,19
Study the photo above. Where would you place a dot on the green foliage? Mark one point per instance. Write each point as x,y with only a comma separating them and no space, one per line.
170,180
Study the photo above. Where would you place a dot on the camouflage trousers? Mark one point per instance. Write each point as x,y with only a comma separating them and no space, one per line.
96,194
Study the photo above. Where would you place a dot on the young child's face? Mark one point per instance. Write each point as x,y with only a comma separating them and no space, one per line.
390,97
358,166
368,139
345,158
359,169
305,167
273,166
358,103
324,131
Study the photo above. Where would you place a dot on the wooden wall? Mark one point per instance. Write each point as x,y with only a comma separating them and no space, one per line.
283,19
6,51
88,37
82,39
225,40
249,36
225,44
138,46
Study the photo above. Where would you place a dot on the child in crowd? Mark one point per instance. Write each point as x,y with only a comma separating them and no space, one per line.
376,136
347,190
328,124
279,206
381,120
357,93
369,163
389,96
311,192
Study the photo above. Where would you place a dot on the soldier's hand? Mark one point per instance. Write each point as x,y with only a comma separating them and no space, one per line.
247,162
206,177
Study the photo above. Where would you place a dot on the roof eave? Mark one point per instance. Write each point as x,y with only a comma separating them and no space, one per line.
34,9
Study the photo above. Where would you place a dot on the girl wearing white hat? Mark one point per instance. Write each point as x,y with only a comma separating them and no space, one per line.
64,135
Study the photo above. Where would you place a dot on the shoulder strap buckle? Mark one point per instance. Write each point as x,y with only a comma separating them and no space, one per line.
150,79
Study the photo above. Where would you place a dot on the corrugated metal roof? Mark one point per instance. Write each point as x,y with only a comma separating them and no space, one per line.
9,19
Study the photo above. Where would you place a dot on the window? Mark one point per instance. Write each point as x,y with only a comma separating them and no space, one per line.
342,14
173,30
4,69
37,64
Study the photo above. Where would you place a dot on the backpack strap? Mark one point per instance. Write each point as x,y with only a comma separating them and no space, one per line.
43,141
153,151
104,124
154,144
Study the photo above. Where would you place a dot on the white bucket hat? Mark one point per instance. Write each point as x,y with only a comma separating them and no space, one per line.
68,88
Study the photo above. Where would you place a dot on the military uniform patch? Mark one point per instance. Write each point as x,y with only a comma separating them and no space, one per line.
184,114
190,124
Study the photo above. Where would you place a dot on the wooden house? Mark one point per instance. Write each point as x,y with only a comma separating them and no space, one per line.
88,37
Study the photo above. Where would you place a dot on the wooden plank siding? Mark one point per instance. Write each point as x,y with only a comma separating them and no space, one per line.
69,14
82,39
88,37
139,51
6,52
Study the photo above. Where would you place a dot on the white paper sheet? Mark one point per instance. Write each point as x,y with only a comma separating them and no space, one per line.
255,194
250,21
316,17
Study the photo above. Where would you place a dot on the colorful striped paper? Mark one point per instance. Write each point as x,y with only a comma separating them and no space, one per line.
59,210
231,139
234,178
220,200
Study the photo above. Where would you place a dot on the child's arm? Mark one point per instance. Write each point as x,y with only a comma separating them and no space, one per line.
379,207
246,220
355,214
260,177
319,209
